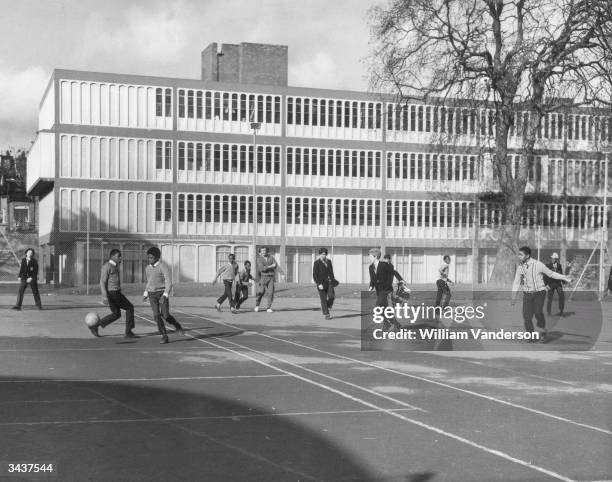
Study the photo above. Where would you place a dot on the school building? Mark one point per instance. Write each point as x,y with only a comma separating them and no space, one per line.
132,161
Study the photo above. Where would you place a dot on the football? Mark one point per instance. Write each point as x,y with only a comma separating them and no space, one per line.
91,319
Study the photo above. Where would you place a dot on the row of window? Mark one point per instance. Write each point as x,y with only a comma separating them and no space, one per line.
200,104
437,167
329,211
163,102
136,211
462,214
468,121
123,158
223,208
334,113
207,156
333,162
131,105
584,173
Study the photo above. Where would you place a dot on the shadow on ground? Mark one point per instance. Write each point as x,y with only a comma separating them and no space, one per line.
116,431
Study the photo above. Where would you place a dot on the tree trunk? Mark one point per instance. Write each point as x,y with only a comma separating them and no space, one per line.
508,235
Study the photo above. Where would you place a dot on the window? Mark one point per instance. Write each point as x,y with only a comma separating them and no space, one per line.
190,104
208,105
199,104
181,109
168,103
269,109
159,102
163,207
181,156
322,113
198,208
159,155
277,109
181,208
347,114
190,208
234,107
168,158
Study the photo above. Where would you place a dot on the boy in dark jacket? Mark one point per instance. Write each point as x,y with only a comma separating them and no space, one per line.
28,275
323,276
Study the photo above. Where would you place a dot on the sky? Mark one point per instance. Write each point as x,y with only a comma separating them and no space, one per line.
328,40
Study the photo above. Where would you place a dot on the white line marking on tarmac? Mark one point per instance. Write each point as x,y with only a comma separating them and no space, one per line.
192,419
100,380
394,414
338,380
435,382
373,406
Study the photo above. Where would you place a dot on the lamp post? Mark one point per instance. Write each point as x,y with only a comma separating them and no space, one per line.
255,126
603,232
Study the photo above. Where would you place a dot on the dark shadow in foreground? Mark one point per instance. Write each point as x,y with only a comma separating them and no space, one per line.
123,431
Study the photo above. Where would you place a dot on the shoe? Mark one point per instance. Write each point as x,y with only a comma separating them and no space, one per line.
232,309
18,308
40,308
164,340
256,309
543,336
130,334
269,310
328,317
94,330
218,307
180,331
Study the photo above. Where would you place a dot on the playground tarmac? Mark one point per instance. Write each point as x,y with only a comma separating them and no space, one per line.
288,396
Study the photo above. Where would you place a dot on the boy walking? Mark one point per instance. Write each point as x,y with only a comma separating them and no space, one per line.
228,273
242,287
157,291
265,274
110,286
323,276
442,283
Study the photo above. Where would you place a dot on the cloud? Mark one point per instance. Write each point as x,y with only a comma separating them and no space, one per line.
318,71
153,35
22,92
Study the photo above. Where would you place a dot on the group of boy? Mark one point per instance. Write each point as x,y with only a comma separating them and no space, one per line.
157,292
265,274
159,286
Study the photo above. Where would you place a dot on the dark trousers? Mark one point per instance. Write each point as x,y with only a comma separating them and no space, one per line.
533,304
443,292
265,286
118,302
161,311
384,299
242,294
22,286
327,298
551,293
227,294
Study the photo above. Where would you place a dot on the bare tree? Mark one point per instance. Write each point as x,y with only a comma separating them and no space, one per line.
510,56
